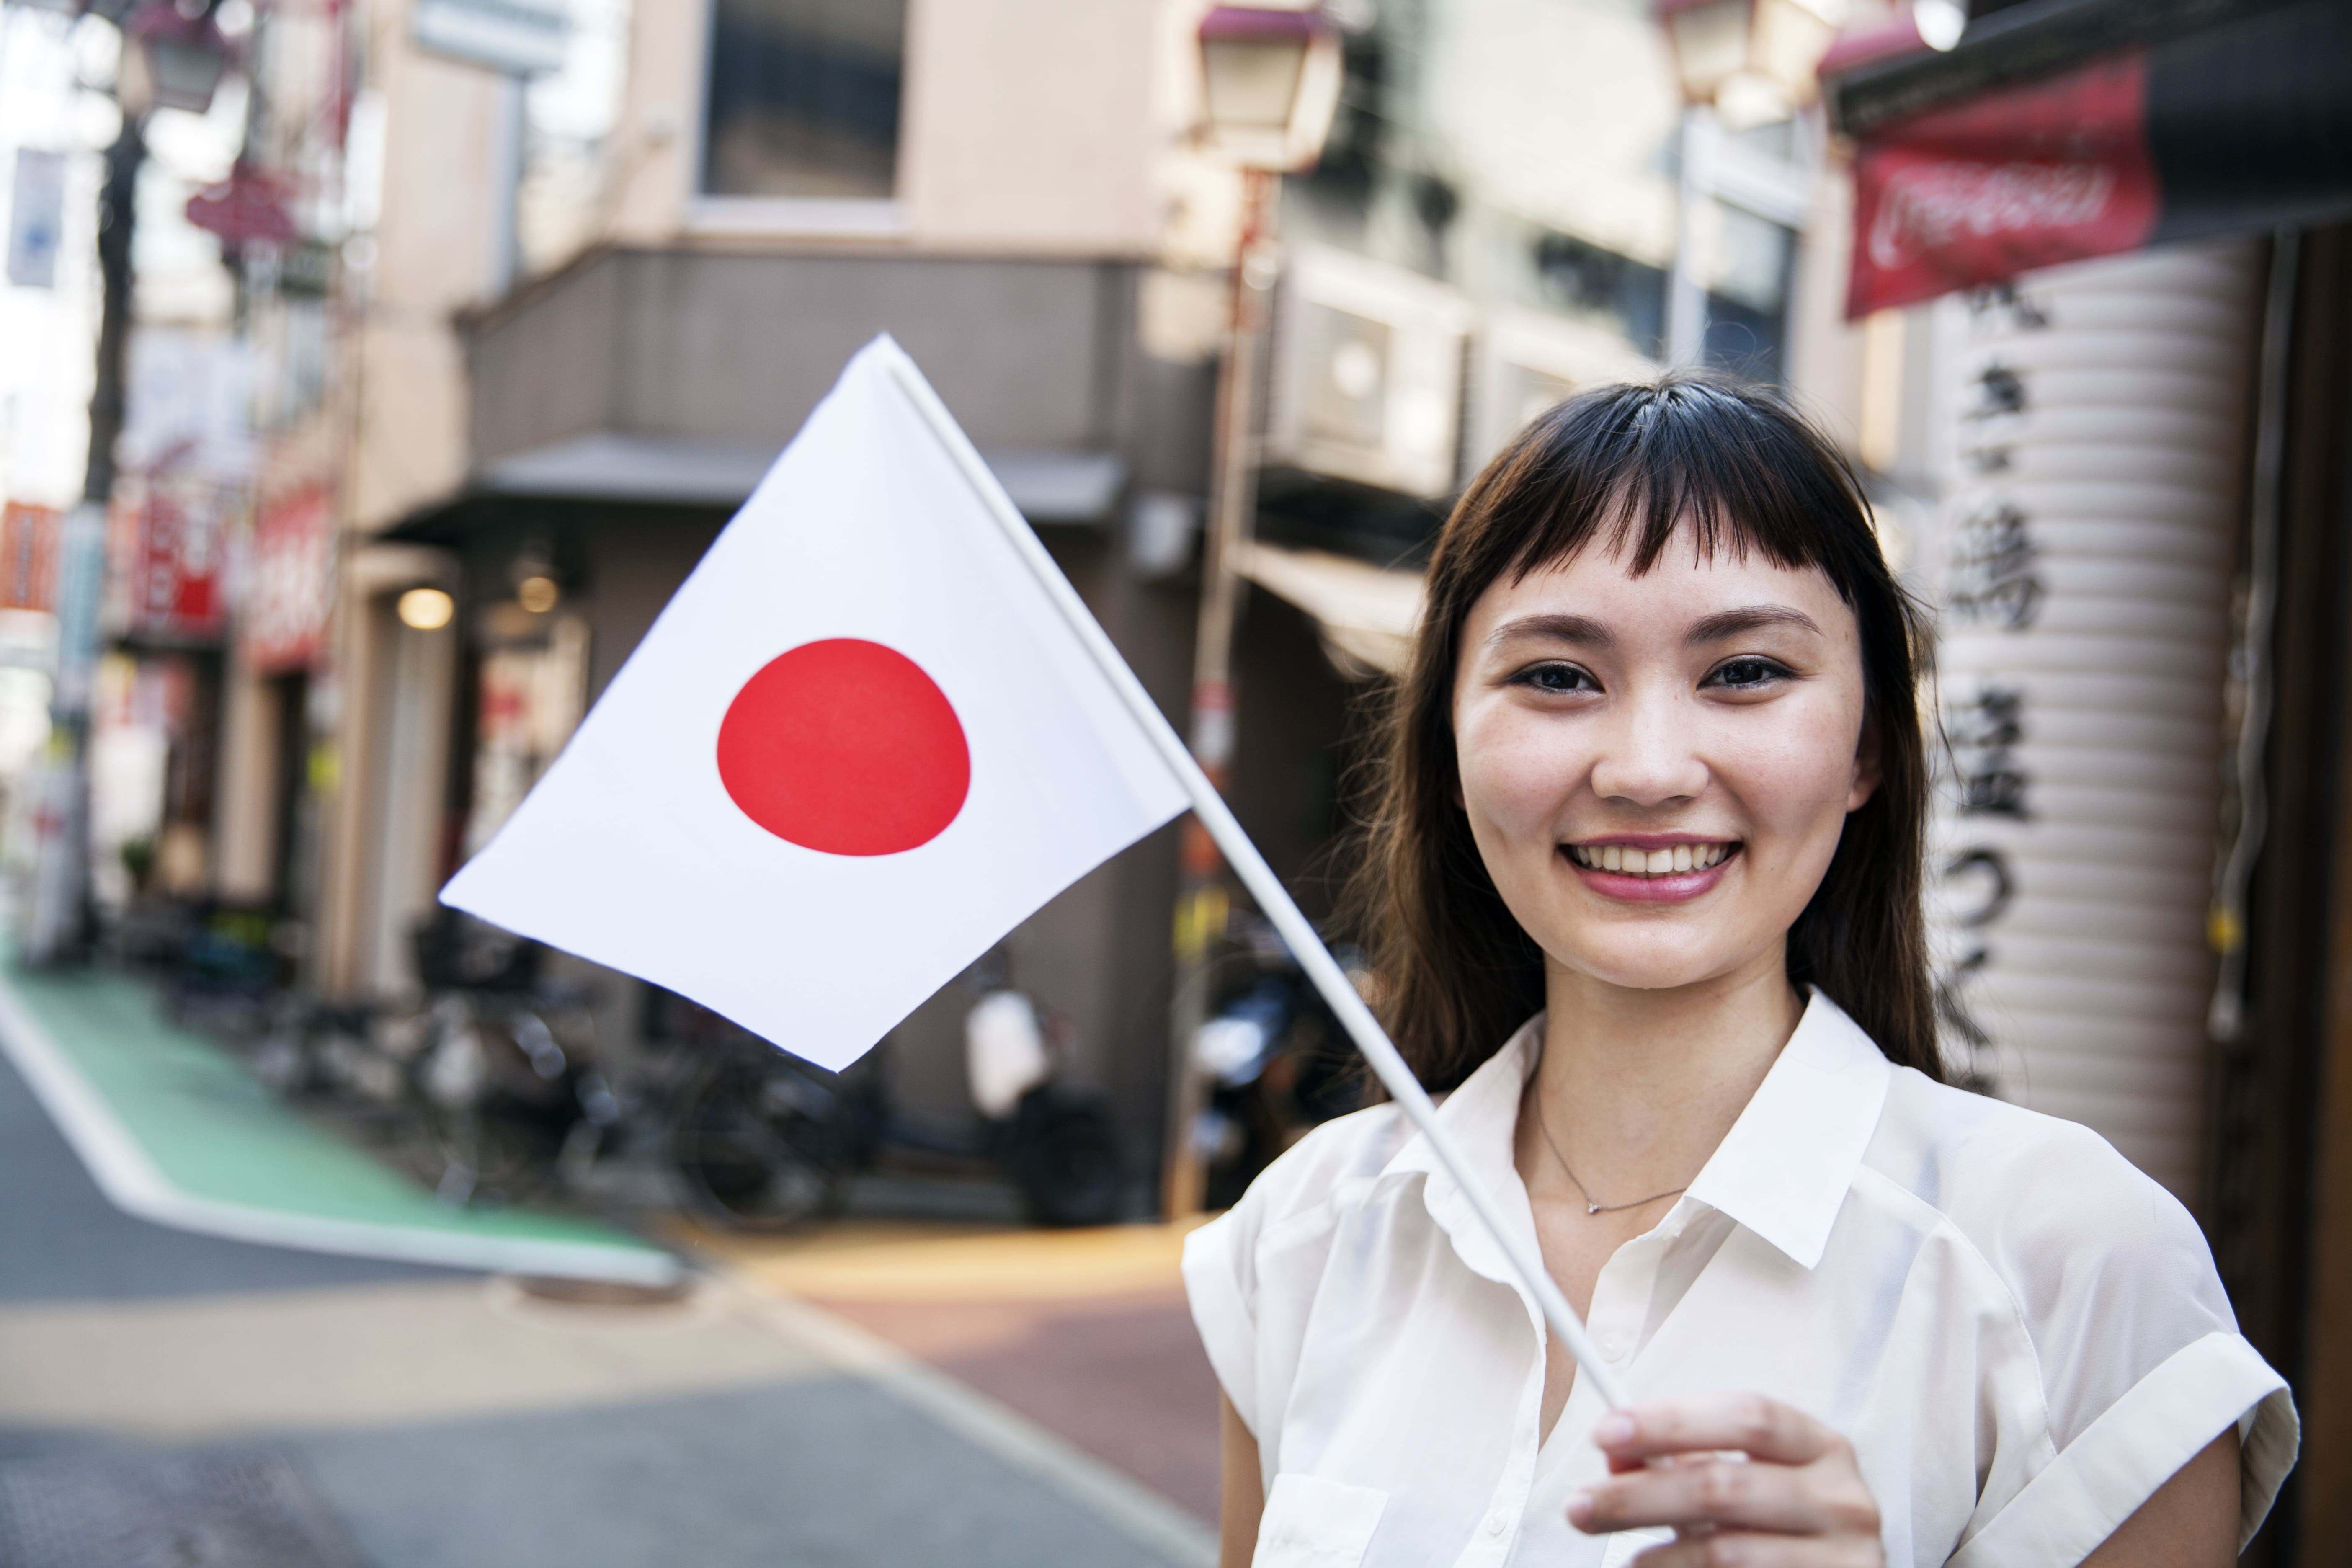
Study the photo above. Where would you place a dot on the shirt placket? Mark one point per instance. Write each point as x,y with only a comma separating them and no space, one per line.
1621,1294
1497,1532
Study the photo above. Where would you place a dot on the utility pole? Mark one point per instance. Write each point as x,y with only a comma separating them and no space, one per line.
57,929
1203,905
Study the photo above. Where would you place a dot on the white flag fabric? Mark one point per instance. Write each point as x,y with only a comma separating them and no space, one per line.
860,744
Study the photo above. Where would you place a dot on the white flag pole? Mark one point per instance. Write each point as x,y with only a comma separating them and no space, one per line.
1273,898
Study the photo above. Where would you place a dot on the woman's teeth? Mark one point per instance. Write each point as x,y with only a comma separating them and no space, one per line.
1648,863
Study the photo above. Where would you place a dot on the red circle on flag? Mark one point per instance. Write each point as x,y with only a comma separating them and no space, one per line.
847,747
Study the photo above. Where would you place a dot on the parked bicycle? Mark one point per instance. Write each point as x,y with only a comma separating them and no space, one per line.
489,1091
763,1140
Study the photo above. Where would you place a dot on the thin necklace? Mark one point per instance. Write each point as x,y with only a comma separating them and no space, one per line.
1589,1206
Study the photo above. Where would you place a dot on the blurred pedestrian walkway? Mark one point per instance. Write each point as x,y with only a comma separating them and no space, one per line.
447,1420
1084,1331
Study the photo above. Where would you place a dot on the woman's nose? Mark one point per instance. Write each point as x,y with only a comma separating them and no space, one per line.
1647,756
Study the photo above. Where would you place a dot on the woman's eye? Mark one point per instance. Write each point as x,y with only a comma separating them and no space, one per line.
1557,677
1746,674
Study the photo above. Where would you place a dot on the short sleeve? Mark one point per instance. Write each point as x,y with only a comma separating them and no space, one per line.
1221,1288
2137,1353
1251,1274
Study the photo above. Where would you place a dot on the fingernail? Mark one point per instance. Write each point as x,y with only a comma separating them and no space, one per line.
1613,1429
1580,1509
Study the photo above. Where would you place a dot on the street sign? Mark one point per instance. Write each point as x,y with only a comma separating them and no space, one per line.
28,556
36,218
248,207
284,616
517,37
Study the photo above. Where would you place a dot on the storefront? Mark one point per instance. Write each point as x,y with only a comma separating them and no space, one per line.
2134,214
625,406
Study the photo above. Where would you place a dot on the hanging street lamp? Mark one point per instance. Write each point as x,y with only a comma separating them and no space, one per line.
1753,62
177,62
1739,63
1269,84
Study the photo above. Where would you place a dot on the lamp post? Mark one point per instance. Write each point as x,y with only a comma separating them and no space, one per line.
1269,84
1739,63
178,62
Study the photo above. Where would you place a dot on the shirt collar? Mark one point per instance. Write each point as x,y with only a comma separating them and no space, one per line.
1782,1171
1483,1114
1784,1168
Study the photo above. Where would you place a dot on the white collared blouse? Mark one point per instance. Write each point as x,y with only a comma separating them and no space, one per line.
2022,1336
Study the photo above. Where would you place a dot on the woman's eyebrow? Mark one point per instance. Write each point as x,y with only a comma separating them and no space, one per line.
1553,629
1752,617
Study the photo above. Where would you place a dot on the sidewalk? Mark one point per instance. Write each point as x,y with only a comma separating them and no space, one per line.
1085,1332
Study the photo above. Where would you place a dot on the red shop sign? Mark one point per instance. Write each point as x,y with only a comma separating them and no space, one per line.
28,556
283,624
175,563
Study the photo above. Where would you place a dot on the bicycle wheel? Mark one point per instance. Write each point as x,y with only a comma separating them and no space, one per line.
748,1163
1065,1158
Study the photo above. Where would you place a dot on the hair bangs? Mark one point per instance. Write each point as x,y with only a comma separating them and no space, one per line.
1633,469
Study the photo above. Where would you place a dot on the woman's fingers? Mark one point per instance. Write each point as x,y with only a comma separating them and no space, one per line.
1744,1478
1729,1493
1749,1423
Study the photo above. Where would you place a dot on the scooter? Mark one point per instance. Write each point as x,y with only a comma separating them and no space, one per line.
1276,1058
766,1141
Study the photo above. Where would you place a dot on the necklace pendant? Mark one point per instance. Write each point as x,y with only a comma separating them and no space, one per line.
1591,1207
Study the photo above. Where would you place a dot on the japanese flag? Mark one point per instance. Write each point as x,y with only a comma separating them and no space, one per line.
871,734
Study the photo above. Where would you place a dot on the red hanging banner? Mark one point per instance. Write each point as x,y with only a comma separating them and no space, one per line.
2009,181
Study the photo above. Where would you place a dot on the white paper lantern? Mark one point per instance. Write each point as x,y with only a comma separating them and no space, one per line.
2093,486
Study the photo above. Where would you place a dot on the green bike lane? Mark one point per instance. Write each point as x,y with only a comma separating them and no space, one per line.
174,1129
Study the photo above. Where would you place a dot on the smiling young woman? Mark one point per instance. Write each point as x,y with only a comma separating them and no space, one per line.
1644,884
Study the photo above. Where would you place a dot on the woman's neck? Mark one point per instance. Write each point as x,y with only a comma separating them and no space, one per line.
1637,1087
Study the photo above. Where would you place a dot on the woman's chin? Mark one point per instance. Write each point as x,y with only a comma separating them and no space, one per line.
1647,966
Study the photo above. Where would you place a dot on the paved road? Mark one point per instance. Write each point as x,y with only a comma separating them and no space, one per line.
450,1421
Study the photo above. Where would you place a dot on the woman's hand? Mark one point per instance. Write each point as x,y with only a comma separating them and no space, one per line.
1797,1497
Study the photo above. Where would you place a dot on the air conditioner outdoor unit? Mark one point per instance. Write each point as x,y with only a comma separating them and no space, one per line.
1523,362
1367,373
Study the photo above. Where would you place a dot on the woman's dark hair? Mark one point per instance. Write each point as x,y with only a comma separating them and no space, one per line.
1725,465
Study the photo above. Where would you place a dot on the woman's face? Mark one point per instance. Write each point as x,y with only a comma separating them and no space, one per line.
1657,768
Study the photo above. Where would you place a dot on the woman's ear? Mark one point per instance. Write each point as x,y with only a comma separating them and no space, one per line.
1866,771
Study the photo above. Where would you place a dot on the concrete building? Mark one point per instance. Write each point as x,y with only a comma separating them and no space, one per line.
1011,188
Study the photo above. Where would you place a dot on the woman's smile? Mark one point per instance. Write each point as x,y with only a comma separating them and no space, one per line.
1651,867
1656,765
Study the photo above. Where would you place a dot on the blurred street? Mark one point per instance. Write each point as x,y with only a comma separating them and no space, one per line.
377,378
449,1418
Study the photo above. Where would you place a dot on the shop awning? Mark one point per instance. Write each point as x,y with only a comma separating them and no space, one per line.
1365,613
2059,130
1048,486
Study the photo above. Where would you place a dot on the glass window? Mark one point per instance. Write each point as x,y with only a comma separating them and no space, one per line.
1747,301
803,99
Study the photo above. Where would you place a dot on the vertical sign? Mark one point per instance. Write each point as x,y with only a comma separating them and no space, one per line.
2090,514
283,624
28,556
176,569
36,218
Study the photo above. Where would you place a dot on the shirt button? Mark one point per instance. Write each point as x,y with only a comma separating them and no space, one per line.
1497,1524
1613,1345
